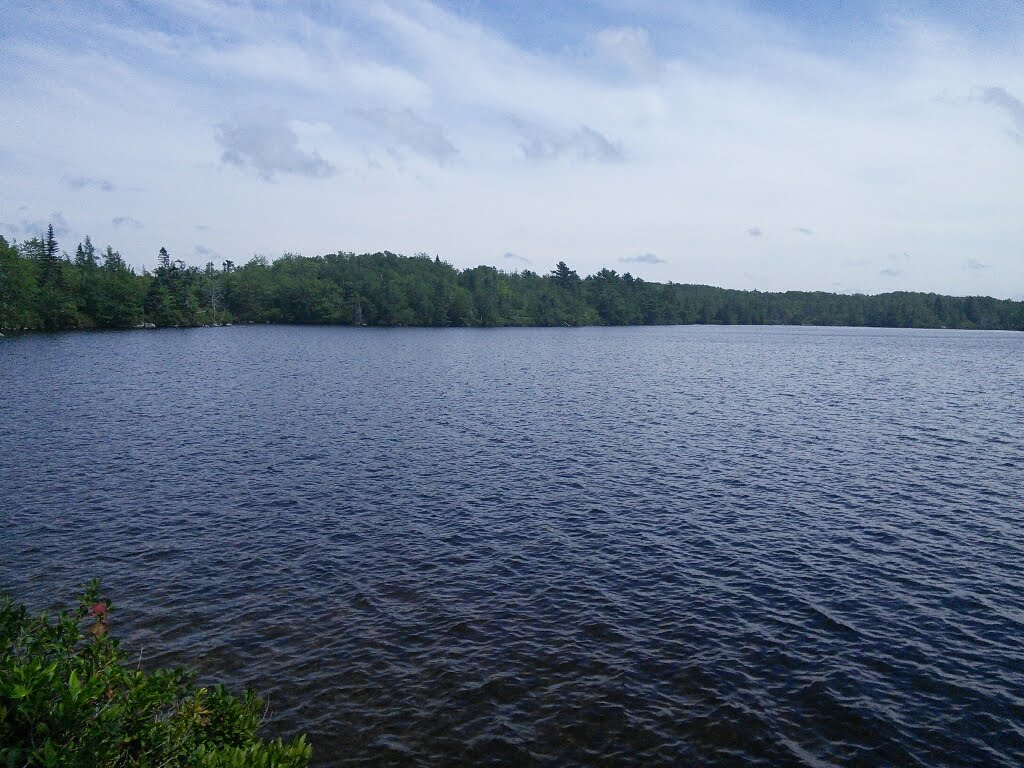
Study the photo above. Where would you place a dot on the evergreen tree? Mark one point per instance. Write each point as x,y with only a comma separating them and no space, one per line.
50,244
565,277
49,259
39,289
85,255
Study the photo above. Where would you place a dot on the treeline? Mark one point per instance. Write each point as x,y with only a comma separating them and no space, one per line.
43,288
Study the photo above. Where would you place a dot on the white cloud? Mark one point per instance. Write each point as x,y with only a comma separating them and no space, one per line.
265,142
83,182
1008,103
671,128
584,144
27,228
406,129
622,48
643,258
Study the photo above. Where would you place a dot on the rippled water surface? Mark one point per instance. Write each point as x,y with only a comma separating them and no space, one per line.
650,546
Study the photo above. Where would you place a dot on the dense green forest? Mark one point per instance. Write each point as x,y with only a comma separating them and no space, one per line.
42,288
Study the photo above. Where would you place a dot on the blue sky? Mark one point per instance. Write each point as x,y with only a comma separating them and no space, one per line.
789,145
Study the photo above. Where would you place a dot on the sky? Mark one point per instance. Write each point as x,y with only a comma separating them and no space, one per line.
789,145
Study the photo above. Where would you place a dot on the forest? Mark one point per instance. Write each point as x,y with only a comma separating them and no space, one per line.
44,288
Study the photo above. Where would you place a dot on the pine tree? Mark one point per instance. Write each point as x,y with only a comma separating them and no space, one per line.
50,244
90,253
51,272
213,288
112,260
564,276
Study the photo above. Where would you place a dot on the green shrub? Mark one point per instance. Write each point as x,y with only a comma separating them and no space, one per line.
68,698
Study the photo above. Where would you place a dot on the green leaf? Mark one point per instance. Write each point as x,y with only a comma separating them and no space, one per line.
45,678
49,754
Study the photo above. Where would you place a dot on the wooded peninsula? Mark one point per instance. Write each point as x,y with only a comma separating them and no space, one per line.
43,288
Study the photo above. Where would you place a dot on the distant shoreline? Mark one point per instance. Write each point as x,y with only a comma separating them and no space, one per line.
11,332
44,289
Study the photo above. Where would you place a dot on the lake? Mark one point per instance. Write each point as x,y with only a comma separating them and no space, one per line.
598,546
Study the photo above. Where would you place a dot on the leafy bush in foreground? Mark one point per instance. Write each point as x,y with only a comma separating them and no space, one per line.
67,698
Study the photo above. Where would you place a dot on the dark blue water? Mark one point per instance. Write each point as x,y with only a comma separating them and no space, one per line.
649,546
